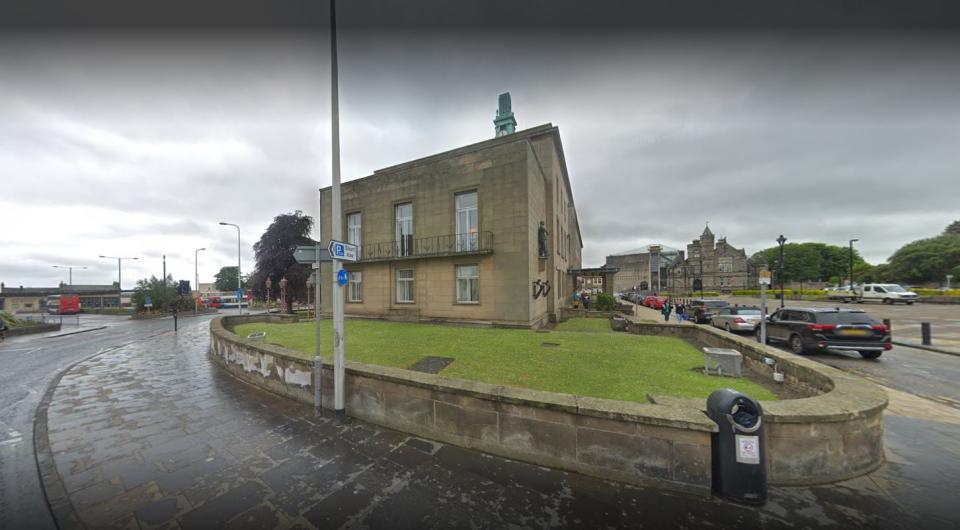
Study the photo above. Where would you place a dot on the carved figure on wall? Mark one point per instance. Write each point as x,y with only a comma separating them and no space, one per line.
542,240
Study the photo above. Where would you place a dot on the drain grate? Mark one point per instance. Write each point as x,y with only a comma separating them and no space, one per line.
432,365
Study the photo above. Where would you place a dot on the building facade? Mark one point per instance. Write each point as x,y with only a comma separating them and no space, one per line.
486,233
642,268
717,264
34,299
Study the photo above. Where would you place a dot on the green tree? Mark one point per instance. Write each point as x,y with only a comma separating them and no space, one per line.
226,280
162,294
926,260
274,254
953,228
814,261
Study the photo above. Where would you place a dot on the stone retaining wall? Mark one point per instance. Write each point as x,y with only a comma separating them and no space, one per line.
639,443
30,330
832,436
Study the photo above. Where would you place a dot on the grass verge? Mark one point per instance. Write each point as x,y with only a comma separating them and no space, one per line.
581,357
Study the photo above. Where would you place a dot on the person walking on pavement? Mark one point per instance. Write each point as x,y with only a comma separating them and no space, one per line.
679,310
586,301
666,310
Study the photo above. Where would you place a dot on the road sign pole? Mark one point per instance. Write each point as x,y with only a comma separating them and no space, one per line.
317,360
336,226
764,281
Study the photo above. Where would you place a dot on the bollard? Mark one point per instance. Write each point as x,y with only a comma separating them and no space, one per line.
925,333
886,322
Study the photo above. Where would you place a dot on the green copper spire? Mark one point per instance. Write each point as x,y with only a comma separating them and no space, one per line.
504,123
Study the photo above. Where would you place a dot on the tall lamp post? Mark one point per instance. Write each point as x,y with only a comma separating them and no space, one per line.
196,279
69,268
269,284
120,277
239,301
701,275
781,240
852,241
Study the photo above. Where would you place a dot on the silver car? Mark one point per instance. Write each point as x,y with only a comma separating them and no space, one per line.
739,318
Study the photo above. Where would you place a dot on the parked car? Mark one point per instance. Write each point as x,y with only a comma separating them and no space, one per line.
654,302
828,329
887,293
740,318
701,311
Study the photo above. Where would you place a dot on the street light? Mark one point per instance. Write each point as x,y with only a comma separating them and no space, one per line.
781,240
120,277
196,279
239,302
852,241
69,268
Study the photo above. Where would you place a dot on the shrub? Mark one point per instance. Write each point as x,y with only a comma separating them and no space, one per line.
605,302
936,292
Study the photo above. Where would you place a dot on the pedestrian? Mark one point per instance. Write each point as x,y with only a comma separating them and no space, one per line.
586,301
666,310
679,310
576,299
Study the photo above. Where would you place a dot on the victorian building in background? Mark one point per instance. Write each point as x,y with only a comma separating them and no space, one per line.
720,267
484,233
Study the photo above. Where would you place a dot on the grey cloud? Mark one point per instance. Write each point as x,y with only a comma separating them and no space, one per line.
759,134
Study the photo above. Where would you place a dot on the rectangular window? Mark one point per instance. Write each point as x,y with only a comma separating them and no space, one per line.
405,286
468,283
467,221
354,229
404,229
725,264
356,286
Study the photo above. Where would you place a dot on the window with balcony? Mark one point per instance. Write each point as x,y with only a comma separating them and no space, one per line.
404,229
468,284
354,229
405,286
356,287
468,226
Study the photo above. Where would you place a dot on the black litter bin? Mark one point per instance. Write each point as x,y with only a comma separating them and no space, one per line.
739,465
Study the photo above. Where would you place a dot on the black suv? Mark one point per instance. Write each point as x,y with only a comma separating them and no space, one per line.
701,311
828,329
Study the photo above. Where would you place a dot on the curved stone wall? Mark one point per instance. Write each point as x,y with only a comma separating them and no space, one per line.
832,436
639,443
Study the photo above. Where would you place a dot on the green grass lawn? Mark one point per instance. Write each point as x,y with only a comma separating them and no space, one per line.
589,359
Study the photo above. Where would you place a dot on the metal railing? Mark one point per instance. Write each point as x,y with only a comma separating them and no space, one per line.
445,245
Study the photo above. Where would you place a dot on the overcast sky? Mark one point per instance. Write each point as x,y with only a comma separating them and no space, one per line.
138,144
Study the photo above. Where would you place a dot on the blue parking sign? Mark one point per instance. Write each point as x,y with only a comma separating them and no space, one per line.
342,277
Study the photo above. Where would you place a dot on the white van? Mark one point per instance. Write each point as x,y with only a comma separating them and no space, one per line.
888,293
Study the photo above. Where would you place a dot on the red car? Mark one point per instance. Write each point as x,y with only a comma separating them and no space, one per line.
654,302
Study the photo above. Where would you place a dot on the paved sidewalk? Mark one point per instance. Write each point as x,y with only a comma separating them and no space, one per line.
153,435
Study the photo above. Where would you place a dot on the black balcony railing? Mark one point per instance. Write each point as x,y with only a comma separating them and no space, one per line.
425,247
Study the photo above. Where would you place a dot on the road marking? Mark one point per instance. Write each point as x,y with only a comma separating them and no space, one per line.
12,440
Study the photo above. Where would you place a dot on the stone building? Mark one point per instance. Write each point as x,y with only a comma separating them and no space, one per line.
485,233
719,265
643,268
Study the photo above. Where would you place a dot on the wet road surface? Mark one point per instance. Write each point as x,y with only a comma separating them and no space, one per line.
151,434
29,364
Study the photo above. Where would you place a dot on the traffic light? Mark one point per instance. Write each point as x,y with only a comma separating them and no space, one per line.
183,288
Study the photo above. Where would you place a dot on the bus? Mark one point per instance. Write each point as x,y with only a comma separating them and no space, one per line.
66,304
221,300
